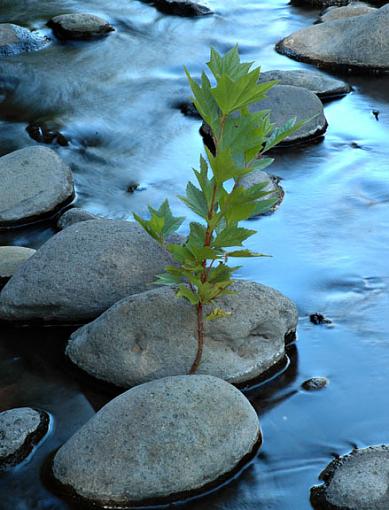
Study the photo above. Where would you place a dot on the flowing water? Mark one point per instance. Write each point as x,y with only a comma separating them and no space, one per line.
115,100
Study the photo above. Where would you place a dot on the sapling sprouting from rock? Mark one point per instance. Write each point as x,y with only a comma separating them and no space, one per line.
201,272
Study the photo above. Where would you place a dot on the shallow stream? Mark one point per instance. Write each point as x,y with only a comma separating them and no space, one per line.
114,99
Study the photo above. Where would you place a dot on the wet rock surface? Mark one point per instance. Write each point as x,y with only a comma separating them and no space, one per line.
20,429
158,441
74,215
190,8
82,271
348,11
359,43
15,40
42,133
315,384
152,335
11,257
79,26
324,86
358,481
34,182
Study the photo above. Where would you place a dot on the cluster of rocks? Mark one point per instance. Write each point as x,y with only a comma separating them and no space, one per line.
352,41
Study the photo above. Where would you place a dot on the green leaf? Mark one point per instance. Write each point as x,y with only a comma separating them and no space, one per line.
280,133
203,100
228,64
185,292
218,313
245,253
195,200
233,95
221,273
232,236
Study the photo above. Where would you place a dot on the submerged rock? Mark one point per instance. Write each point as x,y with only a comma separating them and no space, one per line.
81,271
79,26
181,7
347,11
15,40
34,182
158,442
359,43
358,481
324,86
74,215
20,429
152,335
11,257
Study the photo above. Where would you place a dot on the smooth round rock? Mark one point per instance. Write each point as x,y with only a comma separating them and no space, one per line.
272,186
15,40
190,8
79,26
324,86
359,43
315,384
286,102
11,258
34,183
20,429
152,335
358,481
81,271
159,441
74,215
347,11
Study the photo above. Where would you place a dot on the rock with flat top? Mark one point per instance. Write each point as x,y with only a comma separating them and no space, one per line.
153,334
359,43
80,26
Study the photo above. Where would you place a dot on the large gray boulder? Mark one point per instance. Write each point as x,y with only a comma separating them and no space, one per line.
152,335
15,40
83,270
324,86
358,481
79,26
34,183
20,429
347,11
159,441
288,101
359,43
11,258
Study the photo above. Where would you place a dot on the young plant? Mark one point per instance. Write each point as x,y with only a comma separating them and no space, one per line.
201,272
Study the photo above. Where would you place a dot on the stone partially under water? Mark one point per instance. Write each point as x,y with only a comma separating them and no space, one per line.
159,442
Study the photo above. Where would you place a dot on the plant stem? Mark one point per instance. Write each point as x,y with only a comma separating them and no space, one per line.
200,339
